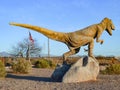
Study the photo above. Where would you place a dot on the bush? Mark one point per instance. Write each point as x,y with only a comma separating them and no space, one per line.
44,64
112,69
51,64
2,70
21,66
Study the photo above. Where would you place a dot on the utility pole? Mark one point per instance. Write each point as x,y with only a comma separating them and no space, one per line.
48,48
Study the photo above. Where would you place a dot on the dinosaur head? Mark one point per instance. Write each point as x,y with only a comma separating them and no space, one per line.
109,26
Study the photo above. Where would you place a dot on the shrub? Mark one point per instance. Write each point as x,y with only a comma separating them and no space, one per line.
21,66
44,64
2,70
112,69
51,64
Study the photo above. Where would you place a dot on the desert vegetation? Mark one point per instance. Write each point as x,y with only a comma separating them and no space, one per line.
112,69
44,63
21,66
111,64
2,70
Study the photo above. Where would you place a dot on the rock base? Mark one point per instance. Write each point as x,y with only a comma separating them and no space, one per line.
85,69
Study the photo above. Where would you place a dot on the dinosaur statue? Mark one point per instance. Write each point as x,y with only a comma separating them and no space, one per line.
74,40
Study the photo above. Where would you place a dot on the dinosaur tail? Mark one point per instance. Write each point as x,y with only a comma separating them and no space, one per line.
58,36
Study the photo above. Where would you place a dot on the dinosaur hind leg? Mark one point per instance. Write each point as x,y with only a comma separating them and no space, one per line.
90,48
71,52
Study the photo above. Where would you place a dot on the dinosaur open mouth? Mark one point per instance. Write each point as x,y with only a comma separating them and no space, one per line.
112,27
110,32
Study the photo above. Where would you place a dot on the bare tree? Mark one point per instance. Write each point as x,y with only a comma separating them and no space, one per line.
26,49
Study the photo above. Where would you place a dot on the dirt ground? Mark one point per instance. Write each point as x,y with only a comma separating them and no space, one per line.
40,79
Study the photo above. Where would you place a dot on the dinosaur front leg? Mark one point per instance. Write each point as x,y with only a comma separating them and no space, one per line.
101,41
98,36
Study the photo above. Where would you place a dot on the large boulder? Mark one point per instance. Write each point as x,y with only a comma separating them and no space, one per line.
85,69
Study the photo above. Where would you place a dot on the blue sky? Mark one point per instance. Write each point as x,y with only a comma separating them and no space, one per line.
58,15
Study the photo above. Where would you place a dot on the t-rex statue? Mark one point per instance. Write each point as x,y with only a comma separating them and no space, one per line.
74,40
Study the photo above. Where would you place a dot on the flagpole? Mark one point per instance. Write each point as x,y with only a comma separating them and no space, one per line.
48,48
29,48
29,51
31,42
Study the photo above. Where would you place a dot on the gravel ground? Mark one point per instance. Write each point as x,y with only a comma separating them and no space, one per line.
39,79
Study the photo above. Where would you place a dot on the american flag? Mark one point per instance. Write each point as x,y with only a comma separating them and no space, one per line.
30,38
